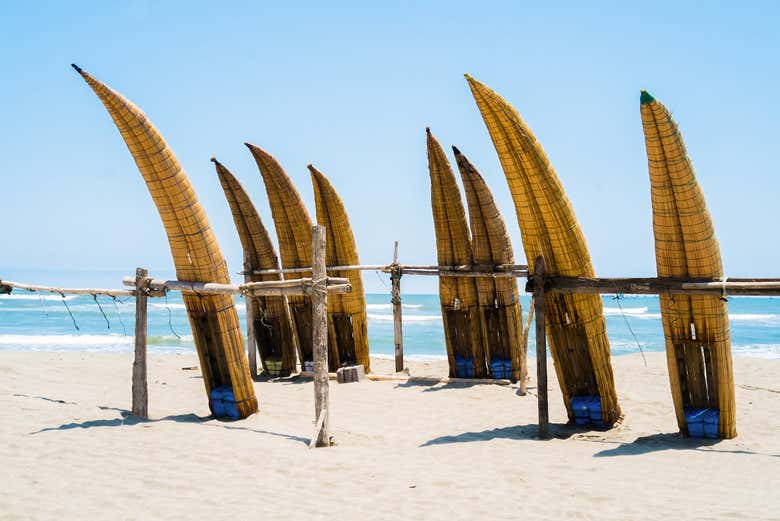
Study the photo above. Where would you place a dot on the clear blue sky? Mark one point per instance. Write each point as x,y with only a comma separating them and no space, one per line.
350,87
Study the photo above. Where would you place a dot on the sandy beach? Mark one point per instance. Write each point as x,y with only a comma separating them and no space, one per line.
405,450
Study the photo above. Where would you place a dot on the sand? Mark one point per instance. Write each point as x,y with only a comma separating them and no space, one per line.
68,449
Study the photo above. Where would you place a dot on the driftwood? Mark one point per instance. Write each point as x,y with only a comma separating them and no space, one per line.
251,341
519,269
659,285
395,297
271,287
69,291
140,390
541,349
319,300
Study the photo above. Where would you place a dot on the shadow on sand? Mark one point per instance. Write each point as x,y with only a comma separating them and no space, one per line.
127,419
668,441
434,385
516,432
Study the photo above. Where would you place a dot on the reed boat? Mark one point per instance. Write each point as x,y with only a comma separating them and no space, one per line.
273,335
575,324
696,327
458,295
293,231
499,299
347,328
196,255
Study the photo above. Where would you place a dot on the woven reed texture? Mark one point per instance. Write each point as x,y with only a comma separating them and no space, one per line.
341,250
195,251
273,326
463,331
574,323
498,298
293,231
700,370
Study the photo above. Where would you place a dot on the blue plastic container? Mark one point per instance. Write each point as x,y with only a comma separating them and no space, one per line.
501,368
587,410
579,405
223,403
464,367
694,417
711,419
594,409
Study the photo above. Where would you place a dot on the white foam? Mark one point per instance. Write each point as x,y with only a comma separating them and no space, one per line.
406,318
767,351
166,306
384,307
414,358
108,343
627,311
35,297
754,317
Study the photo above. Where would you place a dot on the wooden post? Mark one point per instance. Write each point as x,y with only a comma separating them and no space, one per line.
319,300
395,298
541,349
140,390
249,299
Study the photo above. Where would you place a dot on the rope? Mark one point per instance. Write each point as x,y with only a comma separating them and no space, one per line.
320,286
723,281
119,315
376,272
617,299
108,322
75,324
263,313
170,317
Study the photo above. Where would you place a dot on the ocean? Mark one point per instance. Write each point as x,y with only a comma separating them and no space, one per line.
33,322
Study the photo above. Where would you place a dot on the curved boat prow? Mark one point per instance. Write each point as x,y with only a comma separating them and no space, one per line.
696,327
348,330
293,231
574,323
271,315
196,254
463,331
499,299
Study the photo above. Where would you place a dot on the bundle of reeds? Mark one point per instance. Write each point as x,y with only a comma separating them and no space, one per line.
196,254
347,328
271,315
293,231
458,295
498,298
574,323
696,327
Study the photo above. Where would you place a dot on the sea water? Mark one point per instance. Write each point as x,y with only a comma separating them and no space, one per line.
33,322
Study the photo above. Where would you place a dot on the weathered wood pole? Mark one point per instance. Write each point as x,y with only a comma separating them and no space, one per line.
541,349
249,299
140,390
319,300
395,298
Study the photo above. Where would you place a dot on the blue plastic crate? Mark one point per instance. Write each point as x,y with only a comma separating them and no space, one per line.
694,417
711,421
501,368
223,402
579,405
594,408
464,367
587,410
